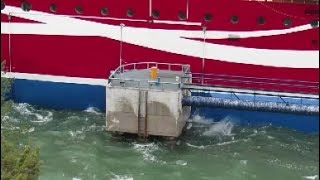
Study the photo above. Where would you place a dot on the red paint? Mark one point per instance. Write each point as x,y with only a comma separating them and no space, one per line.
94,57
285,41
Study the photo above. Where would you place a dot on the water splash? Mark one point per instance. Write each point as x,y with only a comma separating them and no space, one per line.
221,128
181,162
41,116
93,110
315,177
200,120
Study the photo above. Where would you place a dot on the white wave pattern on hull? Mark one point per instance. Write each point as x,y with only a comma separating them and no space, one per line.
158,39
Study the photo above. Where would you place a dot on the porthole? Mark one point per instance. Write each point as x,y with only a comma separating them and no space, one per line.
287,22
207,17
314,23
155,14
53,8
3,5
261,20
182,15
130,13
25,6
104,11
234,19
78,10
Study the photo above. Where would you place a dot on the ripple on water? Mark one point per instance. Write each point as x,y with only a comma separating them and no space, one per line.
121,177
147,151
64,149
181,162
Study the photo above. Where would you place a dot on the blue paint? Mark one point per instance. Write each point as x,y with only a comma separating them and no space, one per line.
80,97
59,95
304,123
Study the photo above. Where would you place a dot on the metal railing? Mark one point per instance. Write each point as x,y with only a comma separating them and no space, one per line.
271,84
115,76
220,80
185,68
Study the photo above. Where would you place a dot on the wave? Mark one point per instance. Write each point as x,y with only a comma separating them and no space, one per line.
28,110
93,110
220,128
121,177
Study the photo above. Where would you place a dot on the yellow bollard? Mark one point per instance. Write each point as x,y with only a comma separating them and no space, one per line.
153,72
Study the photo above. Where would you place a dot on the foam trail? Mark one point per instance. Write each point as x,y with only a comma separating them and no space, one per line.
311,177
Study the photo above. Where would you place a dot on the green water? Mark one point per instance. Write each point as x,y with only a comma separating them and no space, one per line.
75,146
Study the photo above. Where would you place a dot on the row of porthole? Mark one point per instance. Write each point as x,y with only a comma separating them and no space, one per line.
26,6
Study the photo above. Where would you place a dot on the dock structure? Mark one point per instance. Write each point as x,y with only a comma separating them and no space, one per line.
146,99
156,98
215,95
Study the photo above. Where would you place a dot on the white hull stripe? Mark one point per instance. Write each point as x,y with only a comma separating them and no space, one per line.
172,41
56,79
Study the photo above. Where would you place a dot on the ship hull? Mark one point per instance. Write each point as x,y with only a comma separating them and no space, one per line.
65,56
66,94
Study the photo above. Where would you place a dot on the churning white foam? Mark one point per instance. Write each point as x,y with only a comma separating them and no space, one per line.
200,120
28,110
194,146
315,177
181,162
146,150
220,128
93,110
121,177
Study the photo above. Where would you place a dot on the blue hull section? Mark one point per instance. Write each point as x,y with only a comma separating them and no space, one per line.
80,97
304,123
59,95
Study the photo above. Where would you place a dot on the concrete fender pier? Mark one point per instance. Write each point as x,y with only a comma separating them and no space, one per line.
142,105
145,112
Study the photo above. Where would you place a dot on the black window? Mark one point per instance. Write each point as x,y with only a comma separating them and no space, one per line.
3,5
261,20
287,22
234,19
155,14
207,17
314,23
53,8
25,6
78,10
104,11
182,15
130,13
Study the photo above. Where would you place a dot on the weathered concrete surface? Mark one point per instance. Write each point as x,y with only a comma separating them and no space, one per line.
146,111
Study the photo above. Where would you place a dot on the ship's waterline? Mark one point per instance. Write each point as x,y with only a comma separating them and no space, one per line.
61,92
